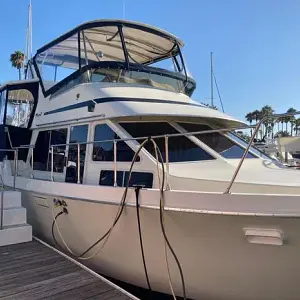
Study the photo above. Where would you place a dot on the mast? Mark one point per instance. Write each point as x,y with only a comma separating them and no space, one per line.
211,80
28,43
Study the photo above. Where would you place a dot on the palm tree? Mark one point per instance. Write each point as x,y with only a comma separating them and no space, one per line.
291,119
250,117
17,60
256,115
297,126
266,112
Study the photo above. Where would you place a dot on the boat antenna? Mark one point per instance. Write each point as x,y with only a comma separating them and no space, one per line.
211,81
218,92
28,43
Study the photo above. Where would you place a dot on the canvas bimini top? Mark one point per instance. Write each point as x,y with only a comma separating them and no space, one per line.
114,44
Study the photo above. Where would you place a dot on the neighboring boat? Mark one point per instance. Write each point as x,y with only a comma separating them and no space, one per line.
107,80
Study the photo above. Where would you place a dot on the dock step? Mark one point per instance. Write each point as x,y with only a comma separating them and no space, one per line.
14,216
15,229
11,199
15,234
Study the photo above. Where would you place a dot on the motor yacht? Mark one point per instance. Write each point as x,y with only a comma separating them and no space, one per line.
103,133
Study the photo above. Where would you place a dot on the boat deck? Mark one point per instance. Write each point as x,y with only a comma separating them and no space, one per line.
34,271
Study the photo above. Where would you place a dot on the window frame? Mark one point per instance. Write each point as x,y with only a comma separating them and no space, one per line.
215,153
174,125
34,140
117,131
31,85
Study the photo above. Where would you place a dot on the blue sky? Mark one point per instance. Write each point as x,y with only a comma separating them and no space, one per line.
256,43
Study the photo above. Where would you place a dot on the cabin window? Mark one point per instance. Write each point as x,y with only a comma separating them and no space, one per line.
143,179
104,151
42,151
180,147
217,141
78,134
19,107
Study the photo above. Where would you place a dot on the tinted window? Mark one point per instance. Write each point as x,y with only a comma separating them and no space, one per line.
216,141
137,178
244,144
78,134
180,147
40,151
58,136
104,151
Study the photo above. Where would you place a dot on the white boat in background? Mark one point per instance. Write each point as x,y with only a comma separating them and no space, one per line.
92,97
284,149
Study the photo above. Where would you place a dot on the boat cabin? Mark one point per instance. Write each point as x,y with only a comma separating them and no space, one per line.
93,93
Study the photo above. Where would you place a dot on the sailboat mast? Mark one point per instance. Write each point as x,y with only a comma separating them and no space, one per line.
211,80
28,44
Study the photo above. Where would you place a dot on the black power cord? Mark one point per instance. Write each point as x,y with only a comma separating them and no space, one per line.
137,192
161,209
122,202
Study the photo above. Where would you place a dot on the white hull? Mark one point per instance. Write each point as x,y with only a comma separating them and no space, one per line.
217,260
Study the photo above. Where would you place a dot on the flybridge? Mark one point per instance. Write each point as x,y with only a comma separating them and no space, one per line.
113,51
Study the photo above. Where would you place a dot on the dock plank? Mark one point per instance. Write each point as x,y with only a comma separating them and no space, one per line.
32,271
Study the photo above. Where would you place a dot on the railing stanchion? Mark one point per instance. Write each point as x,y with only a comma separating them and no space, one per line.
15,168
52,179
115,163
17,158
244,156
78,163
167,162
2,202
32,162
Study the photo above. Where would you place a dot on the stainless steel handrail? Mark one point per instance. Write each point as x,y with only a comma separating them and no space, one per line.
2,202
250,143
157,136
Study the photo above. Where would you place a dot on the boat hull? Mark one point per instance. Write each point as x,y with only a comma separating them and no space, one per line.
217,260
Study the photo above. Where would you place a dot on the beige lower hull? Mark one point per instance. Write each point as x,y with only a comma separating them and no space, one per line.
217,260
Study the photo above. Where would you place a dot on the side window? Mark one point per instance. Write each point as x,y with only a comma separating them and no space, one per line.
104,151
78,134
137,178
42,150
58,136
19,107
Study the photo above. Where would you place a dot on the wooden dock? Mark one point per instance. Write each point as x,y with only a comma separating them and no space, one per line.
34,271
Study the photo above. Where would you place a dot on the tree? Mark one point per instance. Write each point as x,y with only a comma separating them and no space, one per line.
17,60
250,117
291,119
266,112
256,115
297,126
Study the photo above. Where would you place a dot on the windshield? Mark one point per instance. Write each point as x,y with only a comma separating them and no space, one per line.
128,54
217,141
180,148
